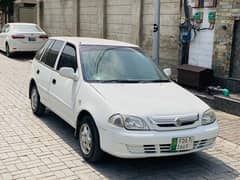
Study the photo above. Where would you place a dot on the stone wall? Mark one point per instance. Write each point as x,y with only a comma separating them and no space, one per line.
88,18
57,17
223,38
227,12
123,20
119,20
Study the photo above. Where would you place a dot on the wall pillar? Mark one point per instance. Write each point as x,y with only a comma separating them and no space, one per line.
75,19
137,8
38,7
101,6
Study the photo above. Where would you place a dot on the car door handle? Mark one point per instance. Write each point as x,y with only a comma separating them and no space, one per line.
38,72
54,81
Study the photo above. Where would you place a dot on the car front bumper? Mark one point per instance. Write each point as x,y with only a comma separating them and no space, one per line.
142,144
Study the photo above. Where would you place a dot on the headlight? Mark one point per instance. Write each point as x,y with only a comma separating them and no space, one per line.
208,117
128,122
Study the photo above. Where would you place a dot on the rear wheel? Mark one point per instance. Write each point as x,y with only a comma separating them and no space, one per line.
37,107
8,53
89,140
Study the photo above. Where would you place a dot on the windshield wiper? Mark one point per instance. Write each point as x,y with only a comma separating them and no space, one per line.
156,81
119,81
130,81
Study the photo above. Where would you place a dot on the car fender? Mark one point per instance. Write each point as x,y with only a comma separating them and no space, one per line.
95,104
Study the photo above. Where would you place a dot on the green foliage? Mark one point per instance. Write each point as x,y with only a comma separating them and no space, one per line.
4,4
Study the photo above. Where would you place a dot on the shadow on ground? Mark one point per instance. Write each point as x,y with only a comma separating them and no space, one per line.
194,166
21,56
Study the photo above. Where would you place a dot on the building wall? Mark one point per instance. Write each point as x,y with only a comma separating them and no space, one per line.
170,20
57,17
227,12
88,18
123,20
223,38
119,20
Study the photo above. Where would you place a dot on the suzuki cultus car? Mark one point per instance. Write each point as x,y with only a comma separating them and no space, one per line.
118,100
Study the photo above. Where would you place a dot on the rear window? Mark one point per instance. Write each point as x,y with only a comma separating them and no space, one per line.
42,50
53,53
26,28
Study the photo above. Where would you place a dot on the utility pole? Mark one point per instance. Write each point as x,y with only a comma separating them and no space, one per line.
156,32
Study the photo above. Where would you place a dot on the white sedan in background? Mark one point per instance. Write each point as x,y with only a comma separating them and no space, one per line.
21,37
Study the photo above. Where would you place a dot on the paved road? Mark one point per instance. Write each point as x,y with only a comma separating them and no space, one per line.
44,148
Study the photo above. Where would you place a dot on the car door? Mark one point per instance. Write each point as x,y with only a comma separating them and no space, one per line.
63,90
42,71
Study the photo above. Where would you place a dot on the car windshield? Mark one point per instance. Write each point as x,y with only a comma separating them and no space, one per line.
118,65
26,28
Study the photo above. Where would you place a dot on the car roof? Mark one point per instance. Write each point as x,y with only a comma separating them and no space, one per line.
92,41
22,24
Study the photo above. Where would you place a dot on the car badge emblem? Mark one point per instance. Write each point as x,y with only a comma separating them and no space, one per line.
178,122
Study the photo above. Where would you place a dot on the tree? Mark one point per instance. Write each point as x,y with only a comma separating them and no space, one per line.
7,7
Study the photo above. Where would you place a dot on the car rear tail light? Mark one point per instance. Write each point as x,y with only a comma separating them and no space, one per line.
43,37
18,36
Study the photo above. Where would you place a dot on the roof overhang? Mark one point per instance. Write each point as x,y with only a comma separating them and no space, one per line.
26,2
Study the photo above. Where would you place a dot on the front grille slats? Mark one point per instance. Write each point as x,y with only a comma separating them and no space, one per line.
166,148
149,148
166,125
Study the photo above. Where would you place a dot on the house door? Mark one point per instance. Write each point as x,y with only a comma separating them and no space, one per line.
235,64
27,15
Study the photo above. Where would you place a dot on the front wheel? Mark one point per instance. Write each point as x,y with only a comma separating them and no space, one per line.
37,107
89,140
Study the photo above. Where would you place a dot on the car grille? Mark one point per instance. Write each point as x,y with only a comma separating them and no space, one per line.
165,148
168,123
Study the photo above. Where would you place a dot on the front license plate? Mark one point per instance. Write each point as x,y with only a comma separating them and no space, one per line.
182,144
31,39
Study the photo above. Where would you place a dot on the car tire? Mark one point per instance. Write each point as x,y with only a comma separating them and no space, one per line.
89,140
37,107
8,53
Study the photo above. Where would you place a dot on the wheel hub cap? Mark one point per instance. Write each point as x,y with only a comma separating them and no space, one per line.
85,139
34,99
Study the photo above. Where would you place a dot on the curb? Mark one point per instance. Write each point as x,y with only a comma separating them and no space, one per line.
221,103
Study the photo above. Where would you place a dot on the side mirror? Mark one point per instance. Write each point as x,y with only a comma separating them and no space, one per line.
168,72
68,73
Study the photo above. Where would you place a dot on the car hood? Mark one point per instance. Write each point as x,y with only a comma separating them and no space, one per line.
150,99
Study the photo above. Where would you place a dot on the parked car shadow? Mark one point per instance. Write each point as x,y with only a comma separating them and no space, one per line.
193,166
21,56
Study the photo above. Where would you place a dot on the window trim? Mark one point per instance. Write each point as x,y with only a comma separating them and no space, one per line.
74,46
60,52
40,58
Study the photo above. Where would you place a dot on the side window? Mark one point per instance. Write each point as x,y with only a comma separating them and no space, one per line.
44,57
68,58
43,48
53,53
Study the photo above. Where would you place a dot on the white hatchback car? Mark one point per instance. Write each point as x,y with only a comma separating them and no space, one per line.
21,37
118,101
